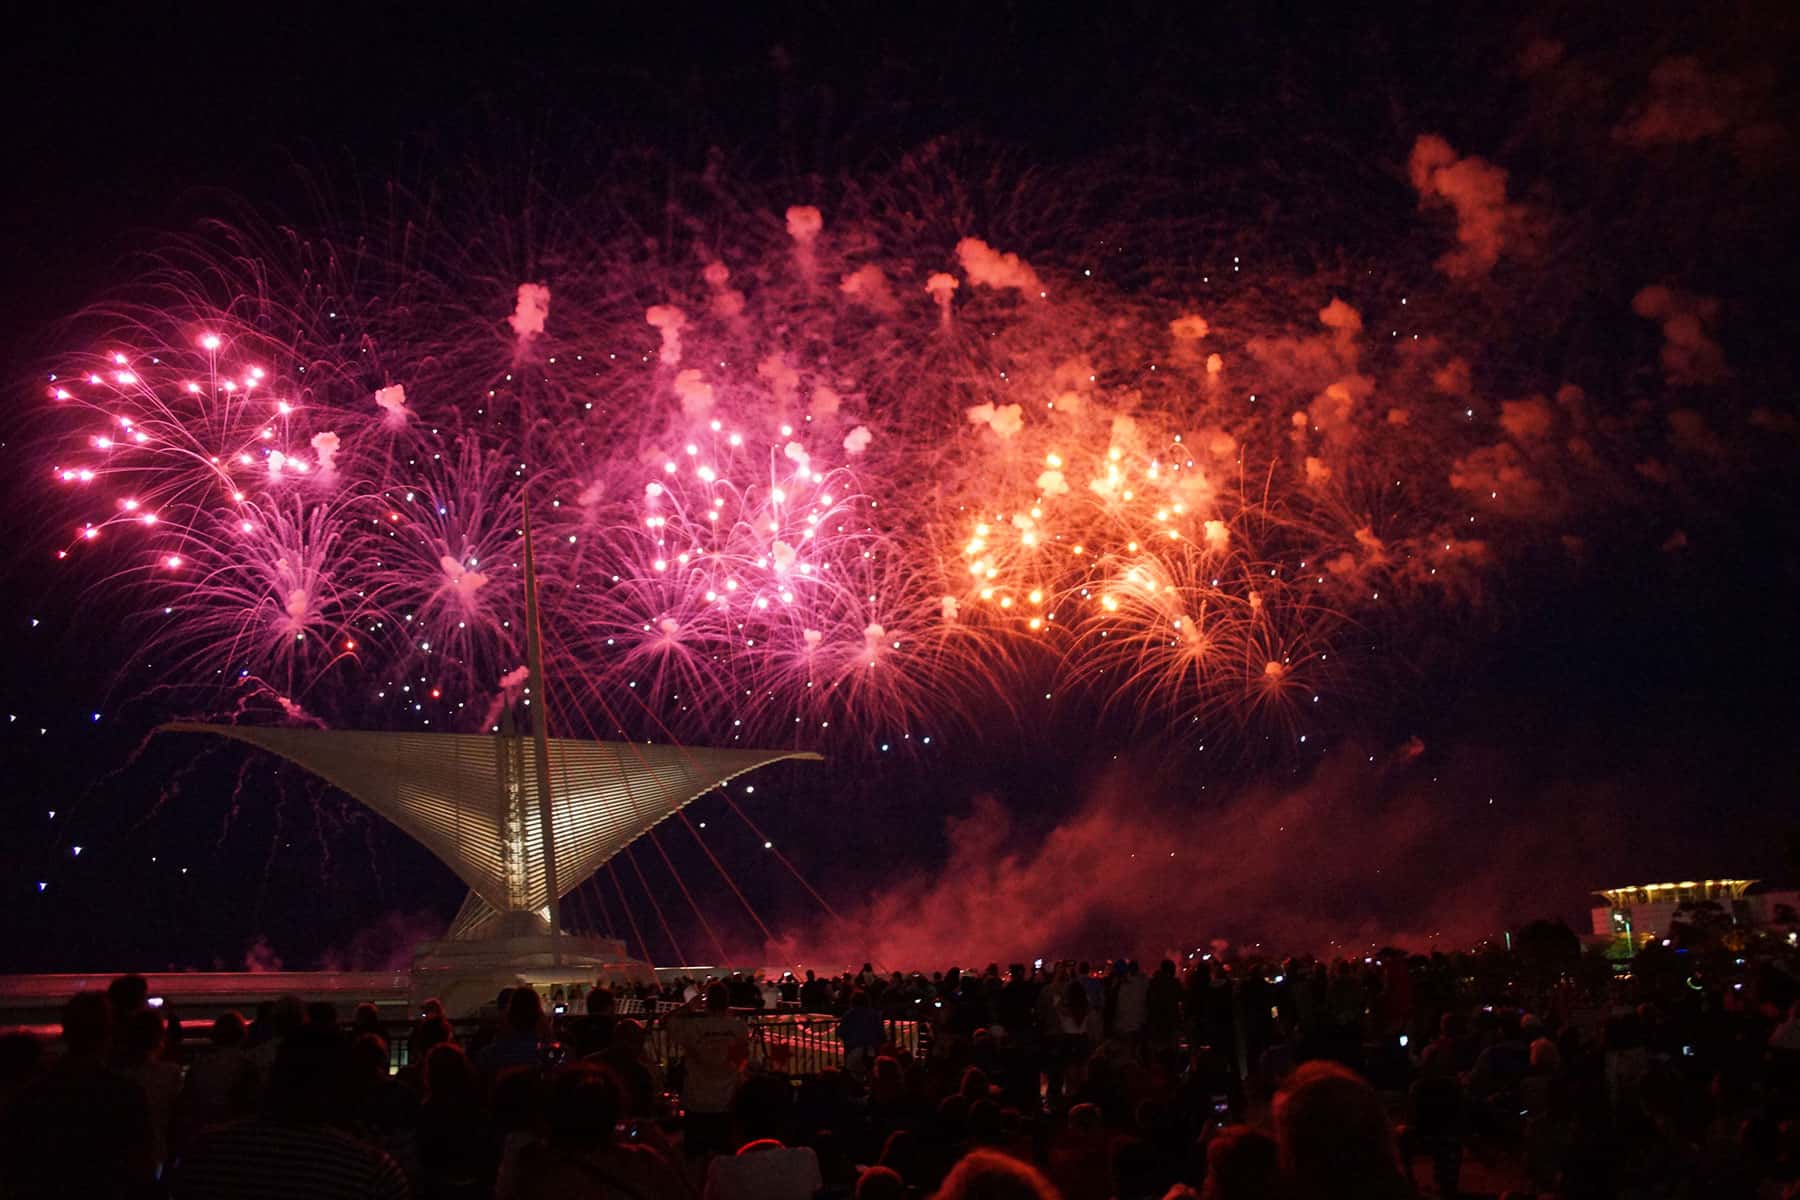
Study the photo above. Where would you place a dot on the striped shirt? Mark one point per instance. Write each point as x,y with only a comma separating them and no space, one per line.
269,1160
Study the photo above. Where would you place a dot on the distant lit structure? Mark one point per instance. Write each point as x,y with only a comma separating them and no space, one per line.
1646,910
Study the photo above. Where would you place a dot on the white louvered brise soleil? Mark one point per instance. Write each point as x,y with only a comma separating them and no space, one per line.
452,792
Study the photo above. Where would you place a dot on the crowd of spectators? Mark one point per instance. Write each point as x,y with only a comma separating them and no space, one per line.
1385,1076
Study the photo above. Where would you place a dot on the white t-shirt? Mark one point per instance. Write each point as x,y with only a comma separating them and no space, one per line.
714,1047
778,1173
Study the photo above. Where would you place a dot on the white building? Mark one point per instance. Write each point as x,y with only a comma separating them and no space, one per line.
1645,911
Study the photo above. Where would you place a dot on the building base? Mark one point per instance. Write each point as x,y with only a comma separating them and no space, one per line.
468,976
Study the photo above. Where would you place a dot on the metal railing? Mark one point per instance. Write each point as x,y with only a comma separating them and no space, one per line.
795,1043
790,1043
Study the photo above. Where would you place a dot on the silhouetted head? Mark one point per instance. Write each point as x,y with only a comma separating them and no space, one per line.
880,1183
305,1083
366,1018
127,994
228,1029
584,1106
987,1175
1333,1135
718,998
449,1075
524,1011
1241,1164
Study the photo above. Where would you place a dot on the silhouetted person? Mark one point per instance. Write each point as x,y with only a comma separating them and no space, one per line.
141,1058
367,1019
637,1073
291,1151
84,1128
580,1154
714,1046
1334,1138
458,1150
222,1083
521,1043
861,1033
764,1168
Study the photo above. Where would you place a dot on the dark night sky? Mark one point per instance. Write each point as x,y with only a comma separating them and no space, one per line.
1652,689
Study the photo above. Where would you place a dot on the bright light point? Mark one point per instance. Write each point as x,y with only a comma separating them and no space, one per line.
172,562
210,342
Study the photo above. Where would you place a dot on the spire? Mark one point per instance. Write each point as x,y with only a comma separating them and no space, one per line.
540,718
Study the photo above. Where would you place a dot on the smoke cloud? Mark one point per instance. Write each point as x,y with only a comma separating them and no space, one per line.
1689,355
392,401
696,394
1475,190
988,267
1005,419
530,311
1372,850
868,286
669,321
326,446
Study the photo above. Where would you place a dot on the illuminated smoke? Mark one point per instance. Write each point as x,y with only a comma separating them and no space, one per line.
803,225
942,287
987,267
326,446
1689,355
530,311
727,301
695,393
392,401
1475,190
782,379
1684,104
1190,328
669,321
868,286
858,439
1005,419
461,580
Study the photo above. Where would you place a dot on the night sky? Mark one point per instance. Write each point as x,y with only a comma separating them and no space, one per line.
1625,716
